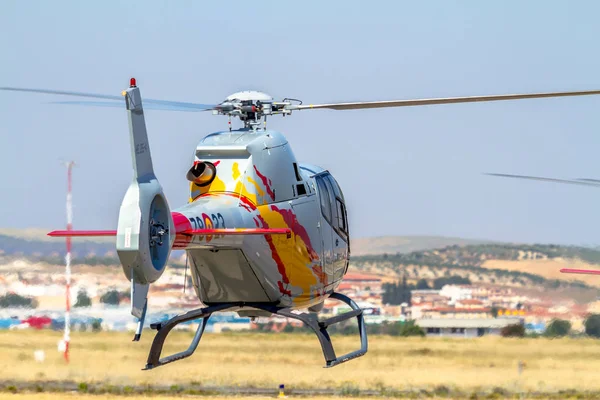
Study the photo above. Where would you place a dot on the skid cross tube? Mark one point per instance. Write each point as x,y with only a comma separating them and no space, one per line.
362,329
309,319
164,328
320,329
154,359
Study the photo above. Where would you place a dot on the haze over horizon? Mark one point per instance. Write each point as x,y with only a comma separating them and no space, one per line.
404,171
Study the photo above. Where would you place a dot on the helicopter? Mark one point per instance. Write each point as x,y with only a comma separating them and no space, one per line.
579,181
264,234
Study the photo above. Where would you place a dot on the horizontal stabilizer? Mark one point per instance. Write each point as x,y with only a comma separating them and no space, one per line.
71,233
580,271
238,231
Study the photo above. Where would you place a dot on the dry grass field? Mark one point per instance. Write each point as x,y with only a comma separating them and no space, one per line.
548,268
77,396
267,360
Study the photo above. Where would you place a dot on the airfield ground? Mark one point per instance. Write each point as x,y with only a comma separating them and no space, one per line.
55,396
109,361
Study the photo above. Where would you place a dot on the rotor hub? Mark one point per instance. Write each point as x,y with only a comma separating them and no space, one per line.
252,107
157,232
250,95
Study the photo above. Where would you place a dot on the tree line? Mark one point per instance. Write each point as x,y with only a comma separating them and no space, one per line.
557,328
14,300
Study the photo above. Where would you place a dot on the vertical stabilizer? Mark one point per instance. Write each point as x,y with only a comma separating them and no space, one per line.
145,232
140,149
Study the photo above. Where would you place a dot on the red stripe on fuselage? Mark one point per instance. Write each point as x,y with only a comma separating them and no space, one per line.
298,229
292,221
182,224
265,182
284,290
277,259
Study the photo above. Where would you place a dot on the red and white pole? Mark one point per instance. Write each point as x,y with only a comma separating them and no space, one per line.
67,333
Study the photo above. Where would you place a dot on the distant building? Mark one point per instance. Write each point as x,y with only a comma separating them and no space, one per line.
456,312
484,293
465,327
457,292
535,327
427,296
510,313
368,309
594,307
469,303
361,282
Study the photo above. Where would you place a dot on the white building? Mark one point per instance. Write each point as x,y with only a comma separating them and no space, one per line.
457,292
467,328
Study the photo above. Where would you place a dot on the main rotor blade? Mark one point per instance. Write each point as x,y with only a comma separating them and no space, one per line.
448,100
150,106
63,92
538,178
589,180
194,106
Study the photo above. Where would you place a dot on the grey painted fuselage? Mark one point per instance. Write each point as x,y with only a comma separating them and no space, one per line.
259,184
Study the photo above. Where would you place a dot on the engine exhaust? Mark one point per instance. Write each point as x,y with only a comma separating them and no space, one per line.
202,173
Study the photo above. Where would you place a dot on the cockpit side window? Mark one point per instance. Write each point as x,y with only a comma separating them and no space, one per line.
336,187
324,199
341,216
332,204
333,184
331,196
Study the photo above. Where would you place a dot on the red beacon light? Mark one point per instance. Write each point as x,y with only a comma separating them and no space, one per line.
132,82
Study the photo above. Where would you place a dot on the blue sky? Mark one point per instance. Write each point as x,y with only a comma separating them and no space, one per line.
405,171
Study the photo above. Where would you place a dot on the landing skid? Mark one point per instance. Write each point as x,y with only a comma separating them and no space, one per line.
311,320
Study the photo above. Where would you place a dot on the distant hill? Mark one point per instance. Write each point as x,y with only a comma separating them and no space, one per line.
406,244
34,248
36,243
426,257
475,255
520,266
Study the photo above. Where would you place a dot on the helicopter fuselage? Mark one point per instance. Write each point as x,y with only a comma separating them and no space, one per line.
257,183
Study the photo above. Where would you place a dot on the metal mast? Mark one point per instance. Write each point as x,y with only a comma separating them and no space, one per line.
67,333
